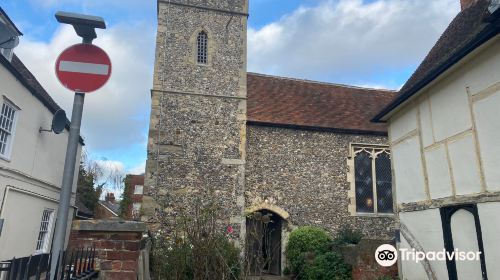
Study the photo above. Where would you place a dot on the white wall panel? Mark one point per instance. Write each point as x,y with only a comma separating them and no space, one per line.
464,234
482,71
22,214
426,123
465,165
40,155
489,216
450,109
402,124
488,130
426,228
409,178
438,172
410,269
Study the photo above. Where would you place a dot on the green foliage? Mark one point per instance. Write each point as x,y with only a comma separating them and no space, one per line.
347,235
196,248
327,266
311,257
387,278
182,260
287,271
126,200
87,191
302,243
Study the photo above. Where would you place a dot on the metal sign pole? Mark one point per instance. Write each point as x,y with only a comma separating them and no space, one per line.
67,182
84,26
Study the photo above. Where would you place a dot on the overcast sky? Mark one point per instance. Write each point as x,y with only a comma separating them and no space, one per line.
376,43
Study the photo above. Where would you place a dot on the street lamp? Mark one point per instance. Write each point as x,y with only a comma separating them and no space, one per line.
84,26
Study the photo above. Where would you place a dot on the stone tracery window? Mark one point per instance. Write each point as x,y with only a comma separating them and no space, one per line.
372,180
202,47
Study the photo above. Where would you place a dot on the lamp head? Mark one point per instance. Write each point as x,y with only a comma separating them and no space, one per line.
84,24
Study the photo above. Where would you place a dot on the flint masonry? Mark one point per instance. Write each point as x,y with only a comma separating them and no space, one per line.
304,151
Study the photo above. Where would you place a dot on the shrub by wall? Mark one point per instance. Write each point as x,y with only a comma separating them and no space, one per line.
327,266
304,244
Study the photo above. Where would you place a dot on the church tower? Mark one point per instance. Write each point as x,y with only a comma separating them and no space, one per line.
197,133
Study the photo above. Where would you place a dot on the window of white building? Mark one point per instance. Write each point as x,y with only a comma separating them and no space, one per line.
42,243
138,189
371,179
8,118
136,210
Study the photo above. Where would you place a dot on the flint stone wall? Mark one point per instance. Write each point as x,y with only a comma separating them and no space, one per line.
229,5
305,173
196,148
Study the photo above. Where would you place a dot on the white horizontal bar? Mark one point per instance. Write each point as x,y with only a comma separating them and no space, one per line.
82,67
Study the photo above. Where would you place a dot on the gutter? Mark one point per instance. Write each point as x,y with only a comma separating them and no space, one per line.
317,128
489,32
10,21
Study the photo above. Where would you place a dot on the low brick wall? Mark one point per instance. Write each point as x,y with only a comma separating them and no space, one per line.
362,259
117,244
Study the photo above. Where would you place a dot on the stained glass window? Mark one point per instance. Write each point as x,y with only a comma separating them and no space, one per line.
373,180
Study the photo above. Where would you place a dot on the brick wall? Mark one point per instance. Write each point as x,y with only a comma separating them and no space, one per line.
130,182
362,259
117,244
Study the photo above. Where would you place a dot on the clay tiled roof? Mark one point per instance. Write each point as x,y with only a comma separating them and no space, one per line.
471,28
301,103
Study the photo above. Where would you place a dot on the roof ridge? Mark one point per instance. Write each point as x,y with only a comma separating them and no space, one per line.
321,83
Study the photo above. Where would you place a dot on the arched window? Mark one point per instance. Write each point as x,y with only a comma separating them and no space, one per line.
373,180
202,46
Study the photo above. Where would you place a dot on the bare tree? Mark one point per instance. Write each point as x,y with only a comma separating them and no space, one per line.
108,175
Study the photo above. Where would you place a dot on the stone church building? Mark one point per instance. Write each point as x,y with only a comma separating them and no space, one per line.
304,151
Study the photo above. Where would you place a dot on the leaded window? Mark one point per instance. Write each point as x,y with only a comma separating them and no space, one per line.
202,46
373,180
7,124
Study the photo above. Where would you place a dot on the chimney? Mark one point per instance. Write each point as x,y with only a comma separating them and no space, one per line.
464,4
110,197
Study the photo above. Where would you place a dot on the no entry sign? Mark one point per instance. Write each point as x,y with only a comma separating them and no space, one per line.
83,68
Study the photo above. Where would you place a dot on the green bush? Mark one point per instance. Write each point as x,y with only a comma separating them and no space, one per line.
187,259
303,244
196,247
346,235
327,266
387,278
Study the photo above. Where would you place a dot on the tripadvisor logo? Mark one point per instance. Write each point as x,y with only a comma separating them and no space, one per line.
387,255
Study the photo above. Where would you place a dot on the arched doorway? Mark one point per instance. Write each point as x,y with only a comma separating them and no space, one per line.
462,230
263,242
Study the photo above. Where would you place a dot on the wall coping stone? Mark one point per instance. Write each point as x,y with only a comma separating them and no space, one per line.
109,226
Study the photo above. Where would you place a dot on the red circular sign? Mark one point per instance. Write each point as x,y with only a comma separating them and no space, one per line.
83,68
